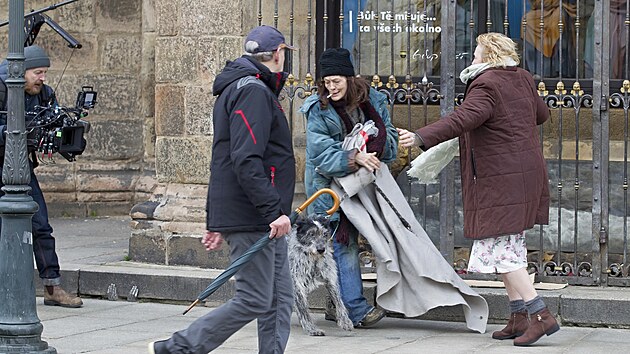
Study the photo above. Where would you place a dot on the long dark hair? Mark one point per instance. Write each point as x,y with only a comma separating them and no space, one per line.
358,92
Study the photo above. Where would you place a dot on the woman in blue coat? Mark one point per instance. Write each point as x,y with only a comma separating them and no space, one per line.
344,100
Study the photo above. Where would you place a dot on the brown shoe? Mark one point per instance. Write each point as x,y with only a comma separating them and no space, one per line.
56,296
540,323
371,318
516,326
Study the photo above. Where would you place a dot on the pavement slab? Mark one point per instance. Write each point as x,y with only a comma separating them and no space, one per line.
112,327
93,254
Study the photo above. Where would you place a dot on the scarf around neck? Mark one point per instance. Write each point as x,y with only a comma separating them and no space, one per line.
374,144
474,70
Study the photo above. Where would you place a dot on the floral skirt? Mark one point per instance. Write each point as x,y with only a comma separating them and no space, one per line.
501,254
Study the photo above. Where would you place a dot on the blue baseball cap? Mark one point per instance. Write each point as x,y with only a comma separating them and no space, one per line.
267,39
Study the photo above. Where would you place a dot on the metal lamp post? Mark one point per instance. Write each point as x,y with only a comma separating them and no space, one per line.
20,328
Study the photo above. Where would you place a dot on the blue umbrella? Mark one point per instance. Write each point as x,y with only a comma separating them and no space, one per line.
251,252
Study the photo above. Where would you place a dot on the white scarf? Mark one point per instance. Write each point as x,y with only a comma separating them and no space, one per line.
475,69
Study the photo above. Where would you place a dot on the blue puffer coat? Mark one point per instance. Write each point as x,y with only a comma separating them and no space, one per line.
324,157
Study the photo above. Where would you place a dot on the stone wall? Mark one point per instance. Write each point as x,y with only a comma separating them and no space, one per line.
117,168
193,40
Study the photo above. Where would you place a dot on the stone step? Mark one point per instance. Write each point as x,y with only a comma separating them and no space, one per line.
579,306
147,246
177,242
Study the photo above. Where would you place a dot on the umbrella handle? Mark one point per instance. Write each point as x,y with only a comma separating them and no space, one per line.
316,195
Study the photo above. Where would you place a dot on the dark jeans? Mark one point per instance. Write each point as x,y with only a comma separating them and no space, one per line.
43,240
350,282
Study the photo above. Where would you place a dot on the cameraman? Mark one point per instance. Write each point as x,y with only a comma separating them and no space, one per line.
36,94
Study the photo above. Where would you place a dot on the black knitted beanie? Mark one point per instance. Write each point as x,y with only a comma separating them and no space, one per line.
336,61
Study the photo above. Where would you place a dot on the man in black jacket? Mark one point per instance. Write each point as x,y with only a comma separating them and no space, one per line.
249,196
37,94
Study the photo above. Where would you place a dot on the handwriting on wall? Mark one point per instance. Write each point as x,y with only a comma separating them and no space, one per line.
389,22
427,55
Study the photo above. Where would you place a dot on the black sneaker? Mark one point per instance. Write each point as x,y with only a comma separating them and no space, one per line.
371,318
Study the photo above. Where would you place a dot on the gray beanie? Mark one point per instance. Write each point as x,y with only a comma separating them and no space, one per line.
35,57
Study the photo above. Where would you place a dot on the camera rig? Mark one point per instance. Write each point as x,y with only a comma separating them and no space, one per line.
34,20
60,129
56,128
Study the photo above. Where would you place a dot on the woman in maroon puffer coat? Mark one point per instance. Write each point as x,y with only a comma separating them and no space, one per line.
505,186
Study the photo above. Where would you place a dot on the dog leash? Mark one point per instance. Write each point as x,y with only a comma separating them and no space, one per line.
332,234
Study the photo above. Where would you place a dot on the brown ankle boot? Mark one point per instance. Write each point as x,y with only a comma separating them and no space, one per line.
56,296
516,326
540,323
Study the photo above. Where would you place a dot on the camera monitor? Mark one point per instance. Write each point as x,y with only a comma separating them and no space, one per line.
86,98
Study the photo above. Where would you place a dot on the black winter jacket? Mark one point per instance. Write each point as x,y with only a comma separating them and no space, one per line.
32,104
252,173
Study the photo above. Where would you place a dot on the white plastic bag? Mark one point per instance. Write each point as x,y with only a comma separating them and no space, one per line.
430,163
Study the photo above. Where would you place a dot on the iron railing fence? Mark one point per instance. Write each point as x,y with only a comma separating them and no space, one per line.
413,51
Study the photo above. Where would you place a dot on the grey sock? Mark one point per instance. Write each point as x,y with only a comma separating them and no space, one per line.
535,305
517,306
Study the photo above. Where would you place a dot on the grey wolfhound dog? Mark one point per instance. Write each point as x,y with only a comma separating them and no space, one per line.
312,264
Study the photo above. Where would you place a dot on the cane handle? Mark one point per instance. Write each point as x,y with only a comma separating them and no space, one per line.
316,195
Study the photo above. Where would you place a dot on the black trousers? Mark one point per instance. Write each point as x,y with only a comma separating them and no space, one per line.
43,240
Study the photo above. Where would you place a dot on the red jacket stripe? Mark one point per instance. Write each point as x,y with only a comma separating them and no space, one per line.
251,132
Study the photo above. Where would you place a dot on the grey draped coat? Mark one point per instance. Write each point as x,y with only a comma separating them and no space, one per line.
413,277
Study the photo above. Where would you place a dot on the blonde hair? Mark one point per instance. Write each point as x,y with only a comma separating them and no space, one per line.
497,48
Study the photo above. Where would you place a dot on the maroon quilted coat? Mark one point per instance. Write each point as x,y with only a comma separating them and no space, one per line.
504,177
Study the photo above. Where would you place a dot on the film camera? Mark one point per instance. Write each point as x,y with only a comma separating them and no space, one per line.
60,129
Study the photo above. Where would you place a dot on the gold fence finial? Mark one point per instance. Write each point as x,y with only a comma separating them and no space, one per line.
577,91
560,88
376,81
308,81
391,82
542,89
408,85
291,81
